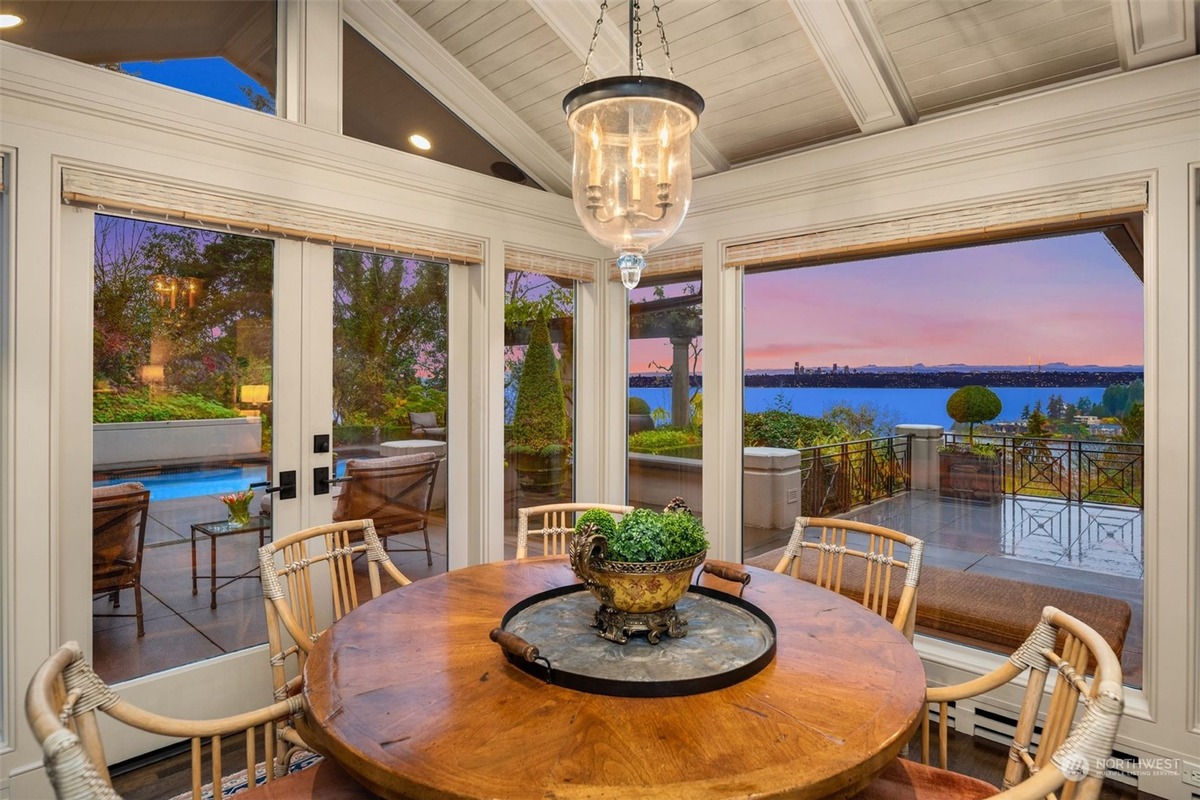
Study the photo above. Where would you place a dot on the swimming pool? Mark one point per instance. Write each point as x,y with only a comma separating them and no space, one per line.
196,483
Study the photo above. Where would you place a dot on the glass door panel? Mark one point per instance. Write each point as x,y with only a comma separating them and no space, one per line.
390,357
539,394
665,397
182,425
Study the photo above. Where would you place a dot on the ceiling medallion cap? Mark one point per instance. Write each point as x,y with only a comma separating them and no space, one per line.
633,86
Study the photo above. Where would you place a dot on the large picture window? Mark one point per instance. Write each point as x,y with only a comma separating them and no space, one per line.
986,399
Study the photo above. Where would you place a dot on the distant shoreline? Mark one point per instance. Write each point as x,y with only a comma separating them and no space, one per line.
916,380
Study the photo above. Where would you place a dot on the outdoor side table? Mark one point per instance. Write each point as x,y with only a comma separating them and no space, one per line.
214,531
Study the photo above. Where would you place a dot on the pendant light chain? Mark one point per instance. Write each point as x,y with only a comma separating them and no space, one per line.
635,23
662,33
587,62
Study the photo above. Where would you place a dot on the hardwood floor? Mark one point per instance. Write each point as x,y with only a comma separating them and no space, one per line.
168,775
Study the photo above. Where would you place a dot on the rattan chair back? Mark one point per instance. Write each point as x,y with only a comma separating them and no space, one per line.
293,611
557,524
61,705
118,540
861,561
1064,736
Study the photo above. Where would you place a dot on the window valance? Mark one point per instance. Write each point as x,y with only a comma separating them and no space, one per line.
213,207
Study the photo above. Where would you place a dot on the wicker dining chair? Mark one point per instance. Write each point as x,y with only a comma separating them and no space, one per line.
558,523
294,612
396,492
1055,751
61,704
876,575
118,541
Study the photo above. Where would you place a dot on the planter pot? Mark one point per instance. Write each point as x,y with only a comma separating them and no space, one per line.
968,476
634,597
640,422
538,473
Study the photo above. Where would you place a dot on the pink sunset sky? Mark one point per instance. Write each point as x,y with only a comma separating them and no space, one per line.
1071,299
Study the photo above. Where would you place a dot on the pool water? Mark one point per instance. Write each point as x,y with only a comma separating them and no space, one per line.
196,483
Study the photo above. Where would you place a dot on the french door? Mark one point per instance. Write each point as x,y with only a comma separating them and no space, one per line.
202,376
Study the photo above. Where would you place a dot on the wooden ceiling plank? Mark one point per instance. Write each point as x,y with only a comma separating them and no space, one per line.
454,86
850,45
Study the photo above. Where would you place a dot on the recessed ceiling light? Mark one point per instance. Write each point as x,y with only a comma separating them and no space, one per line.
420,142
10,20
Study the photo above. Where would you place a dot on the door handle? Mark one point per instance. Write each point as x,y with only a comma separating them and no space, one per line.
322,481
286,487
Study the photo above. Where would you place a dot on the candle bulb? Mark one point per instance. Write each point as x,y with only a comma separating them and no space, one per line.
635,175
595,162
664,140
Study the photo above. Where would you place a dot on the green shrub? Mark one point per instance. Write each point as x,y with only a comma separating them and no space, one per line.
138,406
603,521
638,406
971,404
644,535
539,425
661,440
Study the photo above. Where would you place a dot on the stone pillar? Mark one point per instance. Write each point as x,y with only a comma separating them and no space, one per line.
772,487
923,455
681,409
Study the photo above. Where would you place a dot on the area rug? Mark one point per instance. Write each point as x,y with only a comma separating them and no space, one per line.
236,783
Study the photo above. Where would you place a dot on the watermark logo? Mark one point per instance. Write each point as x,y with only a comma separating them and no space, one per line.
1074,766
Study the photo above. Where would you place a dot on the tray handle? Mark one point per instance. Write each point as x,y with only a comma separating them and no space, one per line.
517,647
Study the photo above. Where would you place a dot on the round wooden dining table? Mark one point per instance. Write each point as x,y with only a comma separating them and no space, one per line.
413,699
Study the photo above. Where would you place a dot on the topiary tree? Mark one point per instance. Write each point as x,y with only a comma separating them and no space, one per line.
539,425
972,404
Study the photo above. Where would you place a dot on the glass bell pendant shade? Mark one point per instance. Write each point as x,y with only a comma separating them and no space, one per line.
632,173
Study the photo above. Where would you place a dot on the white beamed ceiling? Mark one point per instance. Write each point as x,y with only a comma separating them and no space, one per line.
777,76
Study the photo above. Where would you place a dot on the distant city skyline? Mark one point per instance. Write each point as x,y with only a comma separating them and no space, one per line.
1069,299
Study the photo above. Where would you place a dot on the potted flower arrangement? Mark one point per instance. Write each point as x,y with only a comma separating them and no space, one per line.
238,506
638,568
537,440
970,470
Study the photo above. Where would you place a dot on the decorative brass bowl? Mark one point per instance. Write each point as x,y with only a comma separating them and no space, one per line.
634,596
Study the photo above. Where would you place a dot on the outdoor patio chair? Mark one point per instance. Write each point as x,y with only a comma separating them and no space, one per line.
395,492
870,576
557,525
61,705
1068,759
118,539
425,426
296,617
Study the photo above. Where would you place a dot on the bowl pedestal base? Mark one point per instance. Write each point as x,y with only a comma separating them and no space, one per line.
617,626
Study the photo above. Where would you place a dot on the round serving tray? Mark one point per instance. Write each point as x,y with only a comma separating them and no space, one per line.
728,640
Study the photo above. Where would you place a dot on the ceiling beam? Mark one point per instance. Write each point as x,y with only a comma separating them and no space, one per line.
574,24
1153,31
845,36
427,62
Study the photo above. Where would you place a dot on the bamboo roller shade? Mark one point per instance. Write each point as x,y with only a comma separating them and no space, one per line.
1043,214
551,264
213,207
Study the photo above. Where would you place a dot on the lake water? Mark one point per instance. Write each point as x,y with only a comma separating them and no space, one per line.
924,406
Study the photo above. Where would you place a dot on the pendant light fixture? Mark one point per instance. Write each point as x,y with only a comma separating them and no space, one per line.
632,173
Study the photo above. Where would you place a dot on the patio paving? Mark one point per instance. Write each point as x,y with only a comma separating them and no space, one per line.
1081,546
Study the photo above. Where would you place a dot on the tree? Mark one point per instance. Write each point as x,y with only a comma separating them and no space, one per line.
1055,407
972,404
389,334
1133,424
1025,412
539,425
1037,425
